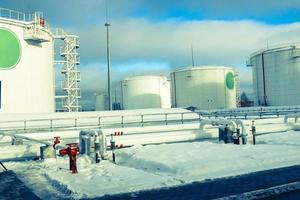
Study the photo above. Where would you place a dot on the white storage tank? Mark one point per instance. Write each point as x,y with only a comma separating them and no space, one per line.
101,102
26,64
145,92
276,73
205,87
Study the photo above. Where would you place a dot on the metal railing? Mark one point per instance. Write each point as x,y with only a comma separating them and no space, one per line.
258,112
77,123
12,14
24,17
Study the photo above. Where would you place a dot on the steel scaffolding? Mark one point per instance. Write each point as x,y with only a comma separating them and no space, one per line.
71,59
237,85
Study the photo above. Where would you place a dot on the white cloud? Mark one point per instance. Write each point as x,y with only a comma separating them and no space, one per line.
138,44
214,42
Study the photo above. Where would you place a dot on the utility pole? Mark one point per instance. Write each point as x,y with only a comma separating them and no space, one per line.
192,49
107,25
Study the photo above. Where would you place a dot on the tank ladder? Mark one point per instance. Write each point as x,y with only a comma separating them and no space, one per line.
237,86
71,59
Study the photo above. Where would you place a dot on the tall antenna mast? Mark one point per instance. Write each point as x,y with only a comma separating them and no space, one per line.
192,50
107,25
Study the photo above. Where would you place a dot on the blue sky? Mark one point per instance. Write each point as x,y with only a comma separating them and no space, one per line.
155,36
268,11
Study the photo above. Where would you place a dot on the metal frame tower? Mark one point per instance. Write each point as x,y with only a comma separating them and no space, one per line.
72,78
107,25
238,89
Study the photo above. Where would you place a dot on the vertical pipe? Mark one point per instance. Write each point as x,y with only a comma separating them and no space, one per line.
122,97
108,65
193,62
253,130
264,78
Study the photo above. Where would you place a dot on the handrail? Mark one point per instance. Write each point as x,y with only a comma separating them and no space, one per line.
16,15
252,111
51,124
24,17
97,116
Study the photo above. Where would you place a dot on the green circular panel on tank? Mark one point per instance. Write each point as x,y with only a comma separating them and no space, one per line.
230,80
10,49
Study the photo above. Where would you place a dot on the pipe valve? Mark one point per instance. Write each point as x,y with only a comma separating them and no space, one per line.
56,141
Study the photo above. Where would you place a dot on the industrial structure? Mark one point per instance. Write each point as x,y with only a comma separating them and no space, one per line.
101,102
26,63
71,74
145,92
205,87
276,73
27,78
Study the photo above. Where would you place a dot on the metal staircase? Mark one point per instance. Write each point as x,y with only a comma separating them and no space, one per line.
237,85
71,59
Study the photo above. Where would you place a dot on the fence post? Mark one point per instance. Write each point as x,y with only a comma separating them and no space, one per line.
51,124
166,118
99,122
25,125
75,122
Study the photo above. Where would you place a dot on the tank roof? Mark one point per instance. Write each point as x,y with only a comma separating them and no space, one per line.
204,67
143,77
275,48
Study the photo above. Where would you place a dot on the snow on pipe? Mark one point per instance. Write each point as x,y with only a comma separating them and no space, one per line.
99,143
137,138
295,116
25,138
232,123
47,150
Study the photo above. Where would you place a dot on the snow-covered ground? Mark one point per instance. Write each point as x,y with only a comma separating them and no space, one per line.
156,166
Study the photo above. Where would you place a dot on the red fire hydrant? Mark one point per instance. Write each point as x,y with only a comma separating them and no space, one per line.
56,141
72,152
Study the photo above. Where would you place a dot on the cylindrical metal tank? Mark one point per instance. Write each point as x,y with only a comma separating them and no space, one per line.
26,64
101,102
204,87
276,73
145,92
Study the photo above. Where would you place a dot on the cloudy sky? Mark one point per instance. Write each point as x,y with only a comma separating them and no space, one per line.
155,36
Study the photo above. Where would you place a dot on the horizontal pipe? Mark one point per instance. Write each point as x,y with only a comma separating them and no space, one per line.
295,116
26,138
234,123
